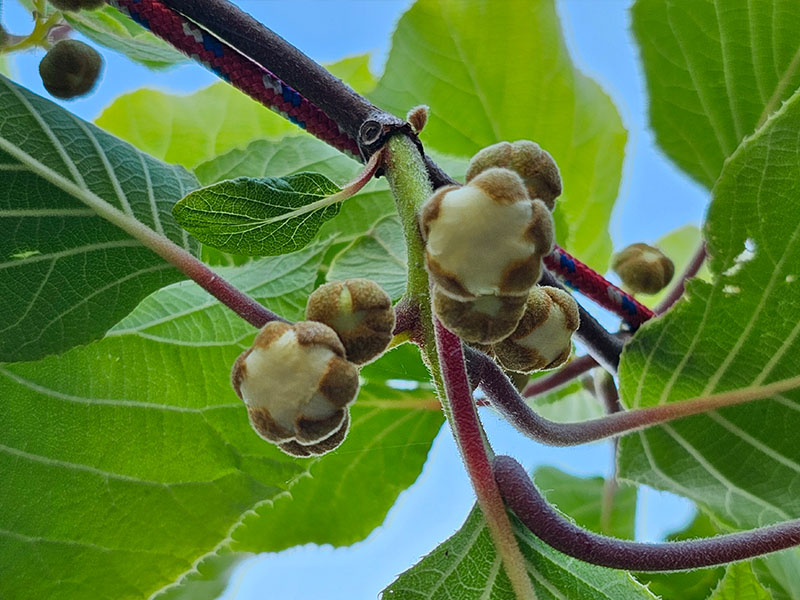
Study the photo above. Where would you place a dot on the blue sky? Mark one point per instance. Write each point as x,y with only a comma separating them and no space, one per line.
654,199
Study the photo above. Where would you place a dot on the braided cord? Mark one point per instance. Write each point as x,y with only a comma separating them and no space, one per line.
594,286
228,64
263,86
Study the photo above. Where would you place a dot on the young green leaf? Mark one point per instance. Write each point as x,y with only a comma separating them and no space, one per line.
467,567
259,217
109,27
144,468
715,73
66,273
778,573
737,331
740,583
491,75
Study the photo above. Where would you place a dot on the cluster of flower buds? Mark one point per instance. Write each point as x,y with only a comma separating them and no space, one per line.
299,380
484,244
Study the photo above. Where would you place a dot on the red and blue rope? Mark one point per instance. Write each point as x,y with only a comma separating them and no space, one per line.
263,86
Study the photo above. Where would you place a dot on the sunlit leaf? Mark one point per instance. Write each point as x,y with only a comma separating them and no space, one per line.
490,75
259,217
740,583
138,461
66,273
715,71
741,463
467,567
109,27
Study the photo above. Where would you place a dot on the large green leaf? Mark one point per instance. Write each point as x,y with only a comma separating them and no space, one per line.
67,274
716,69
490,75
581,499
130,462
467,567
742,464
260,216
191,129
111,28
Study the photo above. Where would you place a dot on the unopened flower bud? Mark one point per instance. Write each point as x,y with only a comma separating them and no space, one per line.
643,269
486,238
535,166
296,383
483,320
70,69
543,338
361,314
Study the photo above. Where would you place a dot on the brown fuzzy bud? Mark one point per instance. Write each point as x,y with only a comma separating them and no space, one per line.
643,269
535,166
70,69
295,448
483,320
418,117
361,314
485,238
296,384
543,338
520,380
76,5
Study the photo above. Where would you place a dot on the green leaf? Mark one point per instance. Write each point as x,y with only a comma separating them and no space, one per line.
581,498
467,567
142,462
278,158
491,75
111,28
191,129
188,130
379,254
66,274
739,331
715,71
778,573
259,217
354,71
740,583
696,584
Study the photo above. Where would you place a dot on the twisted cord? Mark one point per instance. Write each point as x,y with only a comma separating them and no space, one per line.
235,68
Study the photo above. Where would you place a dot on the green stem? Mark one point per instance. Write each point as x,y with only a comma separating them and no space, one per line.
409,182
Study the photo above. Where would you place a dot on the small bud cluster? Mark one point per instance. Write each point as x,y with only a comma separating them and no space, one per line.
643,269
484,244
70,69
298,381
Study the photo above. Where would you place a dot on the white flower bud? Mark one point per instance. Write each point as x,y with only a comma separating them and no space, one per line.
296,383
543,338
486,238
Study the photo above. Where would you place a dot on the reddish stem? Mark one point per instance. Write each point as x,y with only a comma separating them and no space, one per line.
691,270
505,398
533,510
570,371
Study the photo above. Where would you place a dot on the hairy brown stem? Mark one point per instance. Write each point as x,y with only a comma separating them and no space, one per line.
574,368
691,270
505,398
532,509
